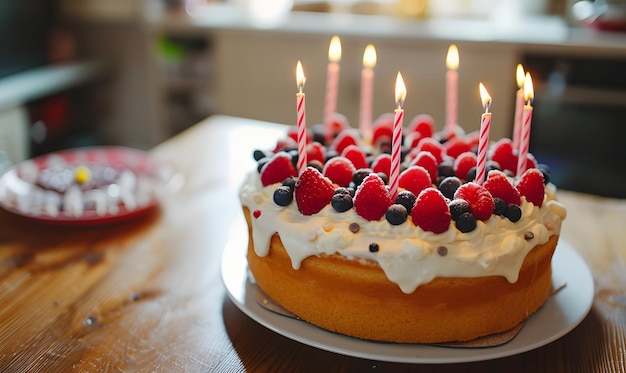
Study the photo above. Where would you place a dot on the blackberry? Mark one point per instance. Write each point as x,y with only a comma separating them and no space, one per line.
457,208
500,206
471,174
406,199
283,195
330,154
258,154
290,182
294,157
396,214
466,222
317,165
492,165
360,174
449,185
342,190
384,177
445,168
341,202
513,212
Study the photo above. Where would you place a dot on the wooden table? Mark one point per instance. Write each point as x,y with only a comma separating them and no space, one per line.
147,295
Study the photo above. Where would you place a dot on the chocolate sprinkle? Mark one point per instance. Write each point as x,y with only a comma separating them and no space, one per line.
373,247
442,250
528,235
354,227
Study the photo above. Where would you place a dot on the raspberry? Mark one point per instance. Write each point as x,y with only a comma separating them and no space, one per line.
315,151
277,169
456,147
414,179
431,213
423,124
345,138
502,152
338,122
499,186
292,133
433,146
286,143
412,140
382,163
531,186
339,170
372,199
356,155
382,129
429,162
463,164
313,191
480,200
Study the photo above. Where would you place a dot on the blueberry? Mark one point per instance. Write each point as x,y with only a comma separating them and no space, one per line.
491,165
294,157
290,182
500,206
445,168
374,247
383,177
360,174
341,202
261,163
330,154
396,214
258,154
545,170
458,207
319,133
513,213
466,222
406,199
342,190
316,164
283,195
449,185
385,147
471,174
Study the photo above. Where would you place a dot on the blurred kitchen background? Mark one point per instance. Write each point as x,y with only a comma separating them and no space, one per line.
135,72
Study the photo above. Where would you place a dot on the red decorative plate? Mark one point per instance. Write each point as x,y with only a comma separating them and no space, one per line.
116,183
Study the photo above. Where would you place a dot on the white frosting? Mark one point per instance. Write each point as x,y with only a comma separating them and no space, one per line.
408,255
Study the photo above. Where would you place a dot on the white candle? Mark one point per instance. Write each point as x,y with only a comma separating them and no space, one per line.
525,132
452,89
396,140
483,139
367,91
300,108
332,82
519,106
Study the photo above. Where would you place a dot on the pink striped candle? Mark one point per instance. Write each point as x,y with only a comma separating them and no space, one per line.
300,108
519,106
332,82
525,131
483,139
452,89
367,91
396,141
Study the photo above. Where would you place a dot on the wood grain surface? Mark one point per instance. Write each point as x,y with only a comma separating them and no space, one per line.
146,295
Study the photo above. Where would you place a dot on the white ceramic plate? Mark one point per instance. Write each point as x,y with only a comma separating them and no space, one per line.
561,313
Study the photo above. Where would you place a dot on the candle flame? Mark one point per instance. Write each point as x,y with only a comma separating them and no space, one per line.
400,91
300,78
529,92
519,75
452,59
334,50
369,56
484,96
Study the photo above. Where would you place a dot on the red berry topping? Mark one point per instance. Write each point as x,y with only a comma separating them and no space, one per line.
338,123
433,146
424,124
463,163
456,147
382,163
414,179
372,199
531,186
313,191
412,139
431,213
315,151
292,133
502,152
356,155
428,161
345,138
480,201
382,128
499,186
339,170
277,169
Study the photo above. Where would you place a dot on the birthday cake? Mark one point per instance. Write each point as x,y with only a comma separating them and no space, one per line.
448,260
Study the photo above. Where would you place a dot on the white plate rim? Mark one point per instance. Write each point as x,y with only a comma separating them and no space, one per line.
561,313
